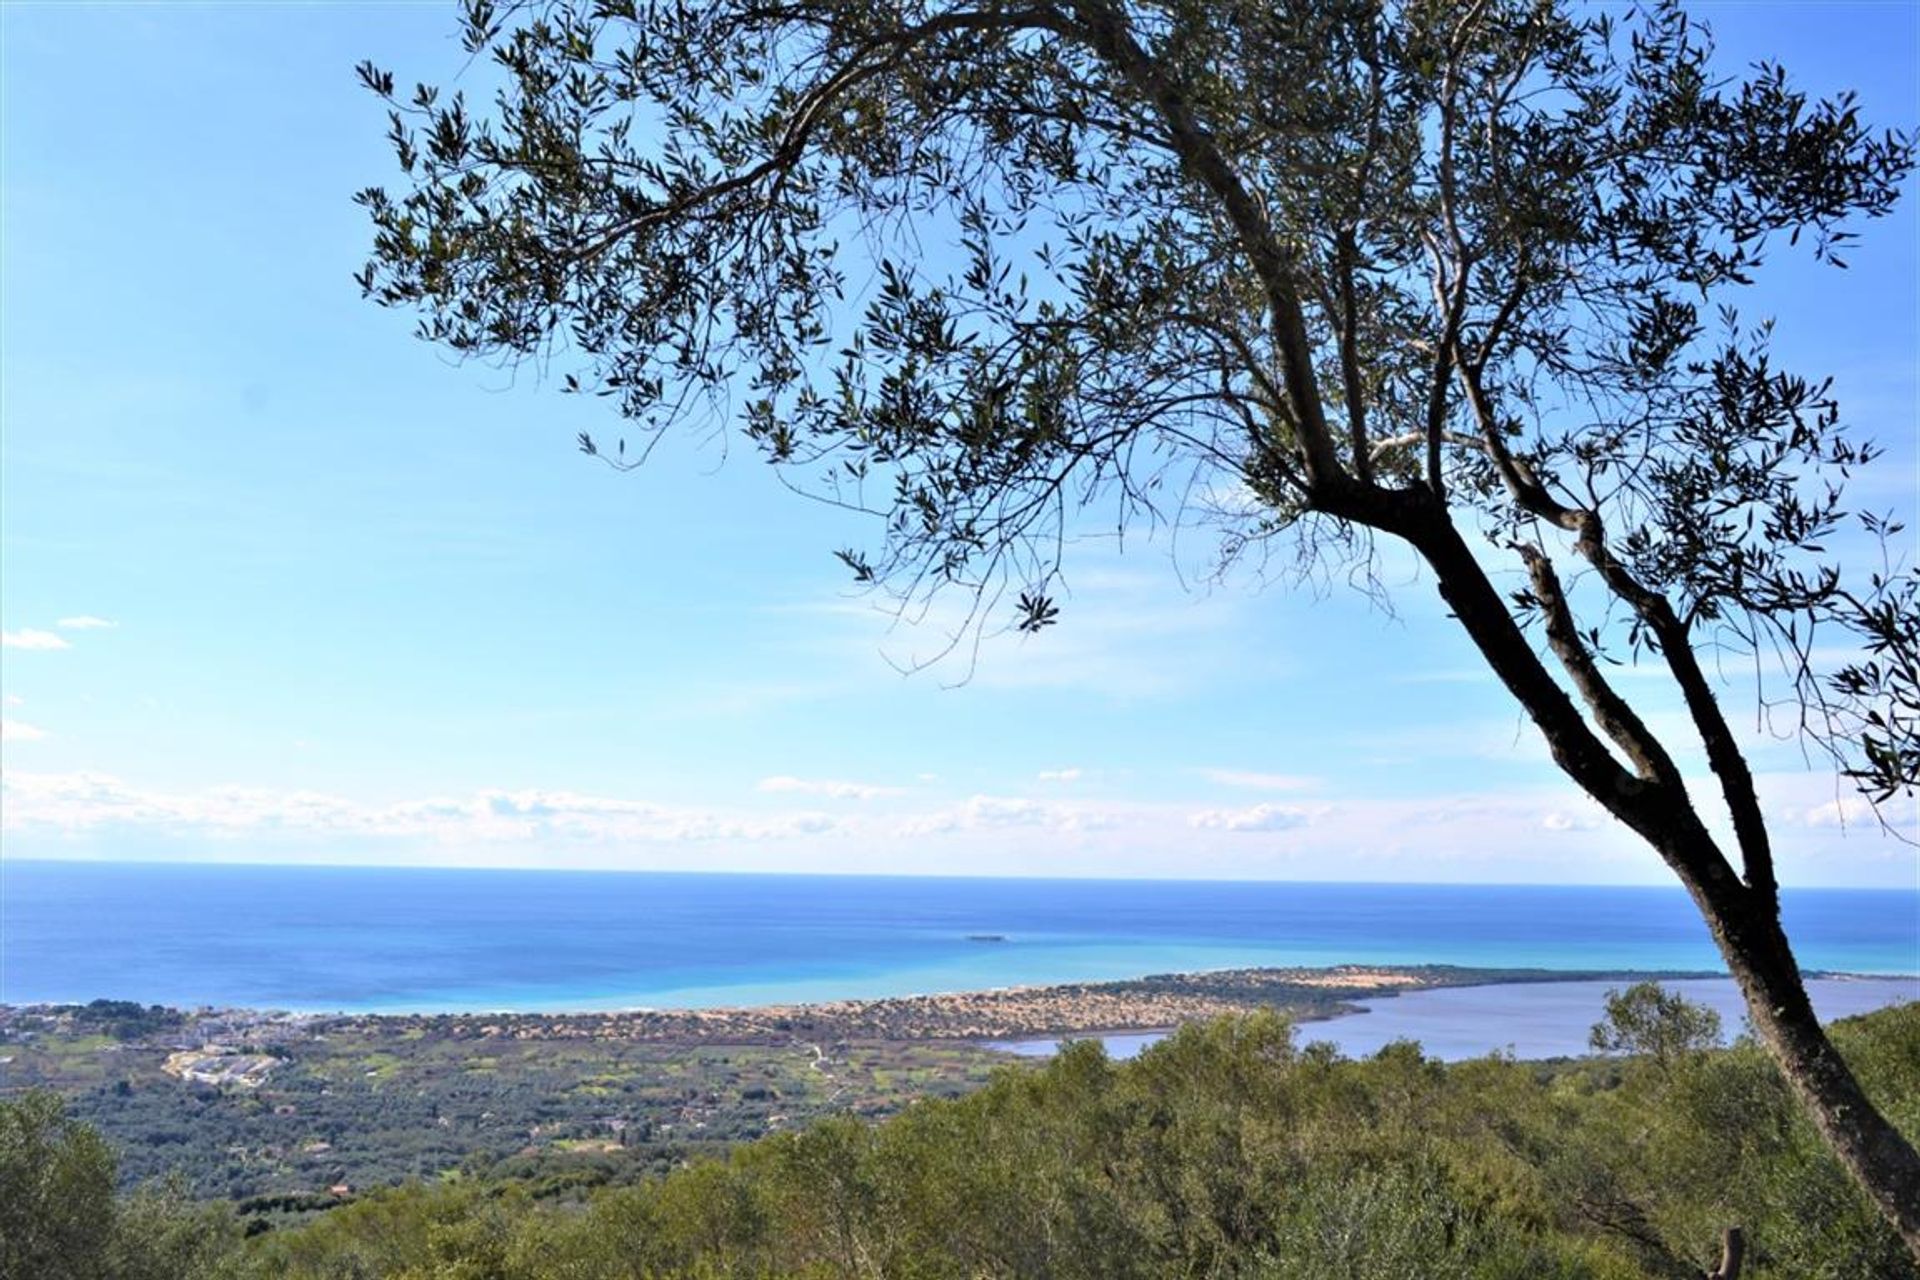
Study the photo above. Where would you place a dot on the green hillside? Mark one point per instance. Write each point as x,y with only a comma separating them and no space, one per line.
1227,1151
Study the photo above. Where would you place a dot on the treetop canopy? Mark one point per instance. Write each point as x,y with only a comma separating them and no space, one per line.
1315,267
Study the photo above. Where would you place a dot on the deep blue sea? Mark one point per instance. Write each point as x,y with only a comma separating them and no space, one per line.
392,939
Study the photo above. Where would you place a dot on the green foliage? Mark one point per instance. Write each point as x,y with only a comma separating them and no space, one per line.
1399,268
384,1100
123,1019
160,1234
56,1193
60,1220
1225,1151
1720,1141
1335,255
1646,1018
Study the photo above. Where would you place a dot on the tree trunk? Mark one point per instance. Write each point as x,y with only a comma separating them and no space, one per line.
1733,1249
1878,1156
1744,920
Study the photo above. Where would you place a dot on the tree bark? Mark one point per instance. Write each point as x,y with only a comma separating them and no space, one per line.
1733,1251
1882,1160
1743,918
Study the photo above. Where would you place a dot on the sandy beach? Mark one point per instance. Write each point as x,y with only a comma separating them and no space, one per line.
1020,1012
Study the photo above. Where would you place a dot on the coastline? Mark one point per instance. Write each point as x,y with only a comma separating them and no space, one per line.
1533,1020
1151,1003
316,1100
384,941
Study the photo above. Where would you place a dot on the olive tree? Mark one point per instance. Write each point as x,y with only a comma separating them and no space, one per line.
1646,1018
1459,274
56,1192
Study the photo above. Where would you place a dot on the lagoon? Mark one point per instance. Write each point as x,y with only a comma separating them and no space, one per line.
1525,1019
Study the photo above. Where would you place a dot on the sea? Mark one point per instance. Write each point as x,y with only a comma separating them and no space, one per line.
360,939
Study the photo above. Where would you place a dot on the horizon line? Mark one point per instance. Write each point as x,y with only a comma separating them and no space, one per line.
304,865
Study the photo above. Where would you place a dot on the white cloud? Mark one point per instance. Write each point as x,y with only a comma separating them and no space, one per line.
828,787
20,731
995,811
1011,813
1541,834
1262,817
1261,781
1814,801
1061,775
538,814
86,622
1849,812
31,639
76,803
976,813
15,700
1127,634
1846,811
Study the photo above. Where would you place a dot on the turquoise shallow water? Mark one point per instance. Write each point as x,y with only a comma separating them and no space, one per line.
336,938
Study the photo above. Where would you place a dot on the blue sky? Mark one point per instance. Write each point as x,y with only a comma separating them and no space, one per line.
367,605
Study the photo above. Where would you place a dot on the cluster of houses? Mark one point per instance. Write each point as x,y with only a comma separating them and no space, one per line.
220,1065
225,1046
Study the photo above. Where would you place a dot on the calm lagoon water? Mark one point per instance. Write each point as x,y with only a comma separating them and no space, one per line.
1529,1020
393,939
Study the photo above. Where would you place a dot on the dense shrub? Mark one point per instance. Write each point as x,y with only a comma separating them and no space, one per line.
1226,1151
60,1219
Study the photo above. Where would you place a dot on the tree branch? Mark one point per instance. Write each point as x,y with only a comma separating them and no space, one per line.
1612,712
1346,256
1407,440
1668,631
1105,30
811,108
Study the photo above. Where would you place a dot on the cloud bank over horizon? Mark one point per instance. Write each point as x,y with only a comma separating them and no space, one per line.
1539,836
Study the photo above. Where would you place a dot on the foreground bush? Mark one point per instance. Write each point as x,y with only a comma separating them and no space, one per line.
1226,1151
60,1218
